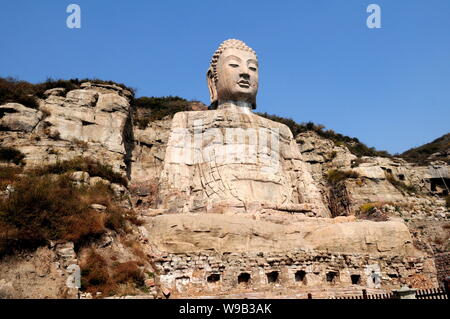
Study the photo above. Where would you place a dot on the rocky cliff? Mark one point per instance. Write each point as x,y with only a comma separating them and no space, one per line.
377,199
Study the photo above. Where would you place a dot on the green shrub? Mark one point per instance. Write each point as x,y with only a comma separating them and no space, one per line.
369,207
372,211
365,208
335,176
11,155
85,164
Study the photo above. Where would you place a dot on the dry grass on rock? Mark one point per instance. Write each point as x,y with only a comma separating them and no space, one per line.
43,206
110,278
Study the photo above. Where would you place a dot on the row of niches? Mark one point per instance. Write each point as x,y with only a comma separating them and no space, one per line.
197,273
299,277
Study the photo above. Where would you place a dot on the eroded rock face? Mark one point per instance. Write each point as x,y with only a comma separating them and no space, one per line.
372,190
239,233
373,184
93,121
90,115
241,207
149,151
231,159
39,274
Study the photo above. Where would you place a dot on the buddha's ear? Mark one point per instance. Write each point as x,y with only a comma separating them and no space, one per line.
211,85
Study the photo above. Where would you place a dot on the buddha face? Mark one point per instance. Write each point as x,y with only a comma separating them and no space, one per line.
237,72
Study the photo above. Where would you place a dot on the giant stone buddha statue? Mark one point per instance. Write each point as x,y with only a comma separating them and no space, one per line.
234,181
228,159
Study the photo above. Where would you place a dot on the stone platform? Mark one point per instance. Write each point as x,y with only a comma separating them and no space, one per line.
201,254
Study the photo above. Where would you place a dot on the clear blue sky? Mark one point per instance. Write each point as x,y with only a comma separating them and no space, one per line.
319,62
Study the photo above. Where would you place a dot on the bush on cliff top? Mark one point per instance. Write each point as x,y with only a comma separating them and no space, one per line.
352,143
23,92
421,154
149,109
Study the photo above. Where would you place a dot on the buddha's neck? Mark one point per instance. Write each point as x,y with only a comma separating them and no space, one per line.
241,105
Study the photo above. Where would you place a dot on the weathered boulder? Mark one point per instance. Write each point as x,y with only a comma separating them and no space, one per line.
372,171
16,117
55,91
111,102
81,98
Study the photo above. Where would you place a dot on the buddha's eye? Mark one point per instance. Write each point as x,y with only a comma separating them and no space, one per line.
233,65
252,68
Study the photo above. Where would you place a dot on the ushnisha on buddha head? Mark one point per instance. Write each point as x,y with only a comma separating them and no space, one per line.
233,75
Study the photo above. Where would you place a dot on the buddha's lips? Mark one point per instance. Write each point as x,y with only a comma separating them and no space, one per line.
244,83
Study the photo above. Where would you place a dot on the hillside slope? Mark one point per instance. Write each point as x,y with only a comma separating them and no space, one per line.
437,150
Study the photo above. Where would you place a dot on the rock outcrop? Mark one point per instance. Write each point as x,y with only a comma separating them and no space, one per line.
179,233
96,113
380,179
93,121
18,118
208,212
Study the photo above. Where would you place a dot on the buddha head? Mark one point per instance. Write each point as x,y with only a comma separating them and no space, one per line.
233,75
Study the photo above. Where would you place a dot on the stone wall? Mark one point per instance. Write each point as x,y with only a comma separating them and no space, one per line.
442,262
213,273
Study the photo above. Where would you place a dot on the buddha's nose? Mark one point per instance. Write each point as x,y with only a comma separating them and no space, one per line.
245,71
245,74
